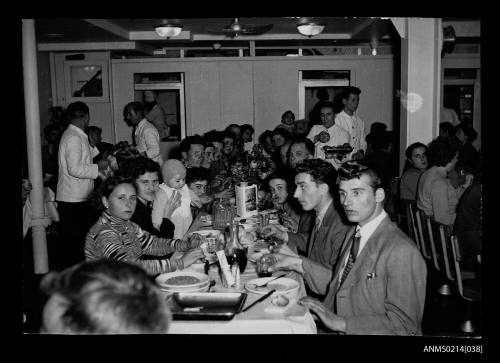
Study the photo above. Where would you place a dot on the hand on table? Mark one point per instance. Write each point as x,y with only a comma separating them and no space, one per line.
275,230
287,262
192,256
195,240
331,320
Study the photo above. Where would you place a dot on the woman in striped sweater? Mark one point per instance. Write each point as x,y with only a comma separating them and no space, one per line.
115,237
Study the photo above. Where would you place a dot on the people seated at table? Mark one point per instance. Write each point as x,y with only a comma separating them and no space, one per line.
266,142
103,297
197,182
378,285
230,151
114,236
145,136
192,150
236,131
174,182
284,154
280,185
247,137
415,164
145,174
301,128
316,189
301,148
436,196
328,134
468,153
287,122
279,138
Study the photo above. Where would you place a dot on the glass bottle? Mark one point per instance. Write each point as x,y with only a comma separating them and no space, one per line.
222,214
234,250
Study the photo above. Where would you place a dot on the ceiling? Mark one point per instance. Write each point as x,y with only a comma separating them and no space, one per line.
138,35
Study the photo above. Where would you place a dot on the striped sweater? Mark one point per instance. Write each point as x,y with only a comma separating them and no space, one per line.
116,239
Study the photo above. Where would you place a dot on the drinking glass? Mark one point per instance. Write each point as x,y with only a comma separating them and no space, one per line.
263,265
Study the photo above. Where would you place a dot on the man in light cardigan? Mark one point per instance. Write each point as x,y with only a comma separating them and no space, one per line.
75,183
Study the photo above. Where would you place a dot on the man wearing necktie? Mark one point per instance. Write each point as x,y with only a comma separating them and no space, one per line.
379,286
316,188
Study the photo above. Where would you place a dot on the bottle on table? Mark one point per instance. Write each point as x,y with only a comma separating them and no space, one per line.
235,252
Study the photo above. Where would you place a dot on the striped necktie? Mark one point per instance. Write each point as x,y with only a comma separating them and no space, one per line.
352,255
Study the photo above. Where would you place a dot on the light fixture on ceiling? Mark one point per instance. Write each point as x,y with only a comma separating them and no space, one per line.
310,29
374,46
168,30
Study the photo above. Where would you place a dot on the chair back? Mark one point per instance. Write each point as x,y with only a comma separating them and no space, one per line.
430,240
412,225
455,248
442,237
419,231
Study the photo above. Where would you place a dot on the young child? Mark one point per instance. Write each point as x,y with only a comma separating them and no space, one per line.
174,181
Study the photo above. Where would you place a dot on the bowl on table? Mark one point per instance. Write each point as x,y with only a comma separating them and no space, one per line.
183,281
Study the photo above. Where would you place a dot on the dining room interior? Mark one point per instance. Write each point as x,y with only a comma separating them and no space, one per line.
410,78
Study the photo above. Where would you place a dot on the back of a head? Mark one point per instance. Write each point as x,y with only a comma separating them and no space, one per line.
109,297
442,150
77,110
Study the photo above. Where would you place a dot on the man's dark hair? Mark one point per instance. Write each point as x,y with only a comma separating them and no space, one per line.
135,106
228,134
186,143
213,136
350,90
326,104
281,131
139,166
246,127
109,297
468,131
196,174
303,140
442,150
95,129
351,170
77,110
287,112
321,171
447,127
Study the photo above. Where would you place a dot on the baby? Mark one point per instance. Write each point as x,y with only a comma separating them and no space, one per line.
174,181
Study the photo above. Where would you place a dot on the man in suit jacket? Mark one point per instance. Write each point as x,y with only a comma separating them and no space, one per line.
315,180
379,282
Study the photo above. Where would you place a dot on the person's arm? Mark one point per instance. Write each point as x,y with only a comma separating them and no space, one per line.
158,208
440,203
405,288
156,246
298,240
362,140
317,276
152,139
73,156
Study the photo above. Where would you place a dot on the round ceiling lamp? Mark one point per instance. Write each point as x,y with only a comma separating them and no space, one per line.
310,29
168,30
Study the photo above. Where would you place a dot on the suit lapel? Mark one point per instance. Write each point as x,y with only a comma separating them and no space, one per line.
369,251
326,223
346,246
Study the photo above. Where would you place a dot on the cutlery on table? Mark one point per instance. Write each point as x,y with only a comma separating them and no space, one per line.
273,279
259,300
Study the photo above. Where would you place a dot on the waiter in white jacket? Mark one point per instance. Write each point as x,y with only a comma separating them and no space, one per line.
75,183
145,136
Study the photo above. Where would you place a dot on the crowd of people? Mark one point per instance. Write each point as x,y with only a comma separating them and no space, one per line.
125,210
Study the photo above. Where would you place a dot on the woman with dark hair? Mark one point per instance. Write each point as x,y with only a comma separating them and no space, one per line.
436,196
266,142
145,174
115,237
281,188
416,164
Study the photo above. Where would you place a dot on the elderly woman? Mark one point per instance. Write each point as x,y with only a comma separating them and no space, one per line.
115,237
280,187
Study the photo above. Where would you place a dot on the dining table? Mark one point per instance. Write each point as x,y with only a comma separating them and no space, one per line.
263,317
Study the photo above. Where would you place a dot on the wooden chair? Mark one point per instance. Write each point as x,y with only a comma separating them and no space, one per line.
470,293
419,231
413,226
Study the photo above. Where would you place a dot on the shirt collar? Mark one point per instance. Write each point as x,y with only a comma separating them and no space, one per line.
367,230
321,214
79,130
142,123
112,219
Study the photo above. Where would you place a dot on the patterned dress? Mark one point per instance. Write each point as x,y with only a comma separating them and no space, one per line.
120,240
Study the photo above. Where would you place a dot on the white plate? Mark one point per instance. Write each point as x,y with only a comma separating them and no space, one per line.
162,279
207,232
282,285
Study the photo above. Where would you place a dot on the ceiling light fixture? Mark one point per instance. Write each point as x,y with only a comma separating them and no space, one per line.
168,30
310,29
